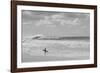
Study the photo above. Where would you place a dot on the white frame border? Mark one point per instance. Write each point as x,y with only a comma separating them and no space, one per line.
53,63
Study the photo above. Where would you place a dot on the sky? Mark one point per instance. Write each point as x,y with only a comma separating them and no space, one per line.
55,23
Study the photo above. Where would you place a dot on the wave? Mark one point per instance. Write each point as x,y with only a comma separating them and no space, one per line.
42,37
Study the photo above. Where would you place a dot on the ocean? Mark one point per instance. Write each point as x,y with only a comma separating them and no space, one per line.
62,49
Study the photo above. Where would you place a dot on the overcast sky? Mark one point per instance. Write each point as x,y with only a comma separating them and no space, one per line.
55,23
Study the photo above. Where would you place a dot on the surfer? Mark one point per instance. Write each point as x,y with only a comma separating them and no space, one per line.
45,50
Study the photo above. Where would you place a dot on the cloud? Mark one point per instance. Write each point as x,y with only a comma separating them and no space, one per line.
43,22
58,16
55,23
57,20
26,12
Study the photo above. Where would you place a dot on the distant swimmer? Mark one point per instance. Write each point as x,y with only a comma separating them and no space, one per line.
45,50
